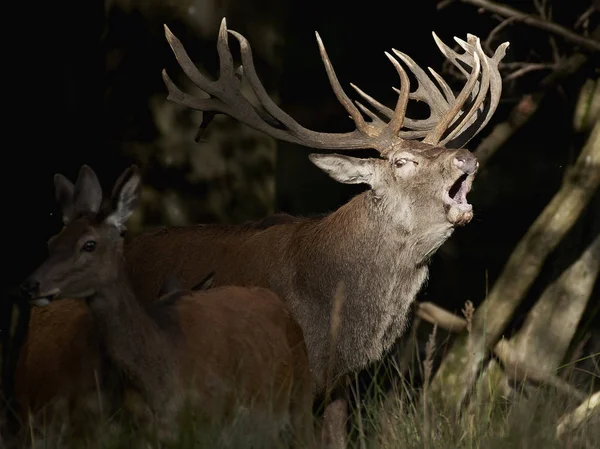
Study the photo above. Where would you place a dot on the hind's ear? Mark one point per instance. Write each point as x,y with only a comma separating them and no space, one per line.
87,193
125,197
63,192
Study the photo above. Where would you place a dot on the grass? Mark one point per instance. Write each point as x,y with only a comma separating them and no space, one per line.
525,423
381,416
389,407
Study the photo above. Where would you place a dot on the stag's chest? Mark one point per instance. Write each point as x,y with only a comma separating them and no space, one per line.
390,306
403,292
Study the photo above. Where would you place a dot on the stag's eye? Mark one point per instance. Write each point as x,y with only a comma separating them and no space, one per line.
402,161
89,246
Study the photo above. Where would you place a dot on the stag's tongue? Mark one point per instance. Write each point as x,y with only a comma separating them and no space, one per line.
458,191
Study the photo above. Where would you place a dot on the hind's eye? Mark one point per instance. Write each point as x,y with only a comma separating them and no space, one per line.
89,246
400,162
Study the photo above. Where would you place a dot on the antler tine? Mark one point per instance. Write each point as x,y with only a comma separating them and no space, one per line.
491,103
396,116
389,113
339,92
427,92
187,65
223,94
259,90
397,120
434,137
225,97
445,88
467,119
374,118
488,89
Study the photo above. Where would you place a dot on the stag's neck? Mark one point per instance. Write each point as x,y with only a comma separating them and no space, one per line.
366,222
382,263
134,342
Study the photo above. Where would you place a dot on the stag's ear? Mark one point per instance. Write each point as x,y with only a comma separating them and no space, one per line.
346,169
87,193
63,192
125,197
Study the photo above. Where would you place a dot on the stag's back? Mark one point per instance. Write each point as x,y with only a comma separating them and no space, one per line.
239,255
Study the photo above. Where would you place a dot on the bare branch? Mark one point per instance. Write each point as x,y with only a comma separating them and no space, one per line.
587,108
565,33
488,42
439,316
528,67
514,367
519,370
584,18
526,108
550,325
537,349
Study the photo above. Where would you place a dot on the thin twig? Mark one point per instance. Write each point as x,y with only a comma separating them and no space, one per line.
545,13
526,108
526,69
528,19
585,16
488,42
540,5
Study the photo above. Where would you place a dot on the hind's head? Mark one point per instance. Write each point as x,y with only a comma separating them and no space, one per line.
85,255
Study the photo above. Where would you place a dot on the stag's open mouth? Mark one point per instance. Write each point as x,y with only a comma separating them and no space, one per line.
44,299
458,191
458,211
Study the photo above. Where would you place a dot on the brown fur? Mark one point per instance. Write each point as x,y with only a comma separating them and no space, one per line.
64,362
378,245
229,346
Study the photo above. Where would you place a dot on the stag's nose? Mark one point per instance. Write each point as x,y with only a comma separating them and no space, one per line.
29,288
466,162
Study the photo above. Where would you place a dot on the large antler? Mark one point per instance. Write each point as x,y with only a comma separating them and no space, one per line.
447,125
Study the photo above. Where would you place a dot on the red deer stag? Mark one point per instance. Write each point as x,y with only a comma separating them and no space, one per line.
378,244
228,345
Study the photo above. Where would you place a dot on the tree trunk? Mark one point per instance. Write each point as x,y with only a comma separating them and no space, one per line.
459,370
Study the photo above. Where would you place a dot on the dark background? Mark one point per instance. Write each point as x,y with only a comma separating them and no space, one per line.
80,74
